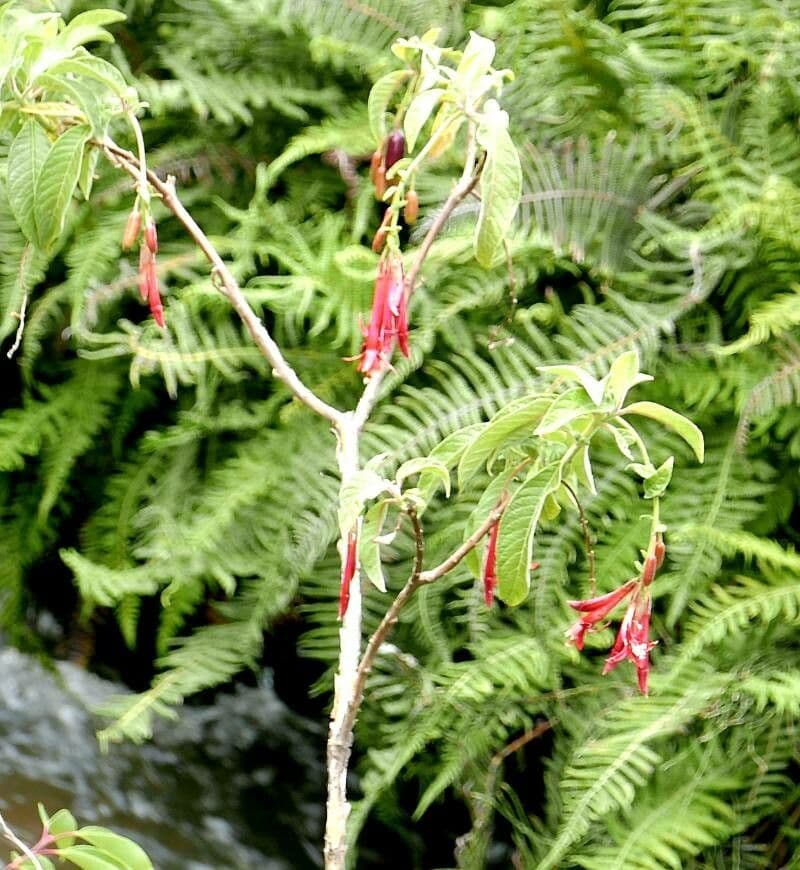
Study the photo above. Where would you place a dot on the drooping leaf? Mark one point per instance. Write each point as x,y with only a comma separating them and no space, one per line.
379,97
672,420
56,183
418,113
501,184
369,549
25,159
517,529
521,414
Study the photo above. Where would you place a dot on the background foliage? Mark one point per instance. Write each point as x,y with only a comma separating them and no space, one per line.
661,211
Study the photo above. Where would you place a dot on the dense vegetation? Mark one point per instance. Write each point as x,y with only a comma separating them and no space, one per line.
660,145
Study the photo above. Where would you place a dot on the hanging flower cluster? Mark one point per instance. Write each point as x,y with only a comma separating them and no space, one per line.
388,324
148,248
633,638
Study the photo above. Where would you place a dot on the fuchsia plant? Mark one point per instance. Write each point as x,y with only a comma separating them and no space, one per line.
529,462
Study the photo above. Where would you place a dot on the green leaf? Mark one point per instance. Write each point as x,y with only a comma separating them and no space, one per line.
563,410
475,62
447,452
364,485
379,98
517,530
423,464
672,420
501,184
25,159
582,466
623,375
89,27
656,484
519,414
417,115
593,387
98,70
130,855
369,550
63,822
623,438
56,184
91,858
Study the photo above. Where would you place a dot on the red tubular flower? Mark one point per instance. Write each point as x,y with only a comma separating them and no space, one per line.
633,639
348,572
148,283
649,570
490,566
594,610
389,320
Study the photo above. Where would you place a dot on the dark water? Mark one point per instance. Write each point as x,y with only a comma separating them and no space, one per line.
234,785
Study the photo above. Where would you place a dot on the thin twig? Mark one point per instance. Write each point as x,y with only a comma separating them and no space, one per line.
587,538
418,578
10,835
21,328
513,292
228,285
482,814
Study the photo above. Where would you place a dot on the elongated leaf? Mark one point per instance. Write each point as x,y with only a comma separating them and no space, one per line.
418,113
56,183
517,530
501,184
593,387
379,97
520,414
672,420
25,159
369,549
563,410
91,858
89,27
656,484
130,855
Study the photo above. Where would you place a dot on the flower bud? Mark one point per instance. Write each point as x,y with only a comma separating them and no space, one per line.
659,551
411,210
379,239
375,165
649,570
380,182
395,148
132,227
150,235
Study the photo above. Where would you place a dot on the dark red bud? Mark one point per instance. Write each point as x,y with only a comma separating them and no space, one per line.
150,235
153,295
348,572
411,210
132,227
649,570
395,148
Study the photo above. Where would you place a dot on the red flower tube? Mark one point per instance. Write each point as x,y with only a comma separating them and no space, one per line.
633,639
348,572
388,323
594,610
490,566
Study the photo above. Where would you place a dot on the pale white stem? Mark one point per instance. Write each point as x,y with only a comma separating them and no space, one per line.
10,835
